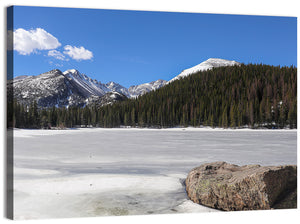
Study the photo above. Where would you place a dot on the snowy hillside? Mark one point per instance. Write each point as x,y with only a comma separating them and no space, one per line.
208,64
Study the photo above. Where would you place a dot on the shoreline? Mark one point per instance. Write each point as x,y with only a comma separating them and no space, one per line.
171,128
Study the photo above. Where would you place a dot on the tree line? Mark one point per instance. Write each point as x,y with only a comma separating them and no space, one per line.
229,97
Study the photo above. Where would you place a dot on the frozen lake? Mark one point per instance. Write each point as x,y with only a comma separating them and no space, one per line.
98,172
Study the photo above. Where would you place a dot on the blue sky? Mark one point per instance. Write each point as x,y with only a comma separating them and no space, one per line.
134,47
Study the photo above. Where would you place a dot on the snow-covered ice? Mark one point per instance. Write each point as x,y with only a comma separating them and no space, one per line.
98,172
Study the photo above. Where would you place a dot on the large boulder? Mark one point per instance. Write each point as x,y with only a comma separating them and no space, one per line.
230,187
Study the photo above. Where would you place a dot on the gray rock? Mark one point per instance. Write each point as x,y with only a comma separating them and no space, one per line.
230,187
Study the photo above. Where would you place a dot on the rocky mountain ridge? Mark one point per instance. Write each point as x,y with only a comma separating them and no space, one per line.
72,88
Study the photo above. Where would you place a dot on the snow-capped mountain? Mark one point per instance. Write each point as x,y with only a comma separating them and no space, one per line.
137,90
72,88
208,64
49,89
93,87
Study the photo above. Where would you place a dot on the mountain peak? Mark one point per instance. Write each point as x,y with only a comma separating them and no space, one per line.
54,71
111,83
72,71
220,61
216,59
205,65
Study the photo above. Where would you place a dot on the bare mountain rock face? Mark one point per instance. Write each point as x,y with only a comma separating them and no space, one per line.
252,187
108,98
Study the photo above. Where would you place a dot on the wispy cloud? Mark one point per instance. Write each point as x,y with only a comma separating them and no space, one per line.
78,53
57,55
30,41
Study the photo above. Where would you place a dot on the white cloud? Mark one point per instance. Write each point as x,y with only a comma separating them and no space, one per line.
57,55
29,41
78,53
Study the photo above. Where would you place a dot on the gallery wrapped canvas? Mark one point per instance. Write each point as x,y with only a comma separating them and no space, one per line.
123,112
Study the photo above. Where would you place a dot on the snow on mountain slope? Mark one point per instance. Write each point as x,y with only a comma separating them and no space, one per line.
22,77
72,88
146,87
48,89
208,64
64,89
116,87
108,98
92,87
87,85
